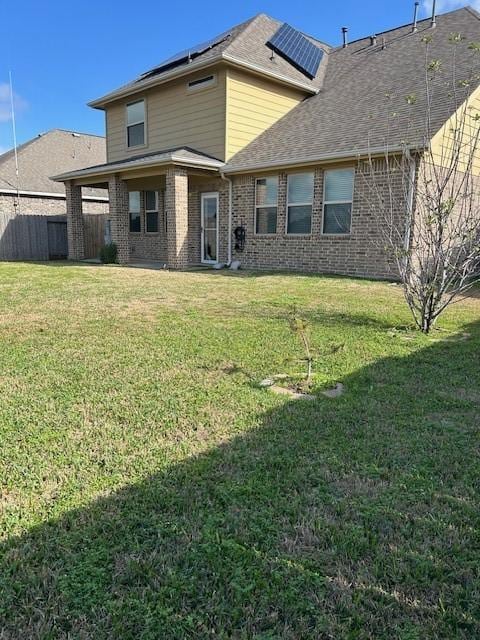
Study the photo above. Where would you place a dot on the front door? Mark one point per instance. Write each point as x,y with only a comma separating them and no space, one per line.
209,239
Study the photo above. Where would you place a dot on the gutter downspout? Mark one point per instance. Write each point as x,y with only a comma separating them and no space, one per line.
230,207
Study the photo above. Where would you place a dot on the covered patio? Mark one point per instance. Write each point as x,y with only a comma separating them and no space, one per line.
171,207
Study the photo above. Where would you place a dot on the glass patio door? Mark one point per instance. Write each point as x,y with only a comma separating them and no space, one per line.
209,239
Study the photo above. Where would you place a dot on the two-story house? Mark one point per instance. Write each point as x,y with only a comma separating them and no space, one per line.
249,146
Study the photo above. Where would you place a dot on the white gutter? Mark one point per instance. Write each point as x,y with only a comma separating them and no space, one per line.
230,213
47,194
326,157
142,85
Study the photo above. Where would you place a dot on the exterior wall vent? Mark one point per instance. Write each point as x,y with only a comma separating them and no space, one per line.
202,83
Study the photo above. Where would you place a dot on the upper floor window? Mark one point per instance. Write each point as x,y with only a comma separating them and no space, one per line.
337,201
151,211
299,203
266,191
134,211
136,124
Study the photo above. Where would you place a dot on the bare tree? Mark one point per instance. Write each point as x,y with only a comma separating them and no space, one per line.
426,202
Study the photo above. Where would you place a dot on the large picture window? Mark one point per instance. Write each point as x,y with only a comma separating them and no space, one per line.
266,194
299,203
151,212
337,201
134,211
136,124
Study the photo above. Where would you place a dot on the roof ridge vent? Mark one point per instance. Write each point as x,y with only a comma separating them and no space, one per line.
415,13
433,23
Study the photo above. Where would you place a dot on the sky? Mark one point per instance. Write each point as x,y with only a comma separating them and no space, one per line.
62,54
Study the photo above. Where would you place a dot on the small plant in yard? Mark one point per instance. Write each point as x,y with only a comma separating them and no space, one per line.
301,328
108,253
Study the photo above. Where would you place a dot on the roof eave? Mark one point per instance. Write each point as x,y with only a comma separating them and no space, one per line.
101,102
208,165
323,158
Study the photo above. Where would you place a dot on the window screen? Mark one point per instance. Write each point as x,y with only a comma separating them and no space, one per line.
266,194
299,203
337,205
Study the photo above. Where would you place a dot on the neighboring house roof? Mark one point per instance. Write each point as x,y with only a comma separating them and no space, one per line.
49,153
352,111
244,45
180,155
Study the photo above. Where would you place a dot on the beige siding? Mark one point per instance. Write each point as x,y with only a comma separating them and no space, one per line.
466,123
175,117
253,105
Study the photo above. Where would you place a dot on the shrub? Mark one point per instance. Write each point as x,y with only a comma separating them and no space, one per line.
108,253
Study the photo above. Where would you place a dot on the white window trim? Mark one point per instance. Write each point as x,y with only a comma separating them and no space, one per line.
203,196
139,212
206,84
132,124
299,204
325,202
259,206
156,210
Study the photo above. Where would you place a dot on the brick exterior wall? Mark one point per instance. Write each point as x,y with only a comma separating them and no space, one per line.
178,242
118,215
75,222
360,253
176,208
150,246
38,206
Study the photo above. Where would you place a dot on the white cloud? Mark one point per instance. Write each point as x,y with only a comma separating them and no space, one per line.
5,108
449,5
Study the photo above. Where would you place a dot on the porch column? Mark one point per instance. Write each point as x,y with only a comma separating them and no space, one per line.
120,225
75,224
176,210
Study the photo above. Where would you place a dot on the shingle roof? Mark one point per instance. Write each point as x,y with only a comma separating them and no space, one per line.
246,44
49,153
179,155
352,109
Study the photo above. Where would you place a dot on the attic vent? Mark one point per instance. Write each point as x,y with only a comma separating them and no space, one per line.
202,83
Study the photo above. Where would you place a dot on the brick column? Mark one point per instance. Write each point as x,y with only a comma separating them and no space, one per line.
118,199
176,210
75,225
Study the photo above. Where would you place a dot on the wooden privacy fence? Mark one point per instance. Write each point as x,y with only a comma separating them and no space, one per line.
37,237
94,232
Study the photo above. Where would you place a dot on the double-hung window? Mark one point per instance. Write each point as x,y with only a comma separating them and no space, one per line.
134,211
151,211
299,203
266,194
337,201
136,124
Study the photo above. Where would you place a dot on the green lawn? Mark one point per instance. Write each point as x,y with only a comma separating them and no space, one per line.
150,489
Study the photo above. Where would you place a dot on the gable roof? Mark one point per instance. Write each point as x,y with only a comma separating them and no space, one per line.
184,156
244,45
352,111
49,153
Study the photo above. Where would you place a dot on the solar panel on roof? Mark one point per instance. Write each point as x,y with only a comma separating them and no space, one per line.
297,49
186,54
